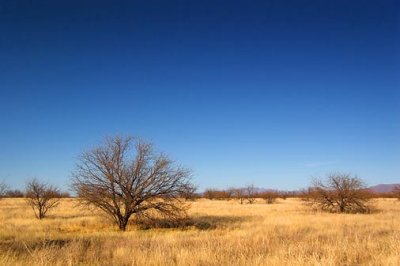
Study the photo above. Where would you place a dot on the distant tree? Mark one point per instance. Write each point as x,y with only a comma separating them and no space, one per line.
42,197
270,196
396,192
189,194
340,193
283,194
124,177
240,194
244,194
64,194
3,189
212,194
251,193
230,193
209,194
14,193
307,194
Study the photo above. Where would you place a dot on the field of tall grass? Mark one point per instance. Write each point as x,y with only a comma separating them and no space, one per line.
221,233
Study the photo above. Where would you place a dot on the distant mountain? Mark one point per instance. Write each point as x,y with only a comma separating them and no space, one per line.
383,188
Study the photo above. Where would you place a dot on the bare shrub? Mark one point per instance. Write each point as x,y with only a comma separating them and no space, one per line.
125,177
307,195
284,194
14,193
189,194
3,189
251,194
245,194
340,193
41,197
229,193
64,194
212,194
270,196
240,194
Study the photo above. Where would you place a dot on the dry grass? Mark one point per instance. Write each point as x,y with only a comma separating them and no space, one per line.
224,233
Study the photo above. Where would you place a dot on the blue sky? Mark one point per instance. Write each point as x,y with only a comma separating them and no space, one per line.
265,92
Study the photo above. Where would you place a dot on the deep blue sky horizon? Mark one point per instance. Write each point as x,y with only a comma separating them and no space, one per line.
265,92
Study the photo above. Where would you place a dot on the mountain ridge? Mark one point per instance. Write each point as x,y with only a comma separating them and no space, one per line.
383,188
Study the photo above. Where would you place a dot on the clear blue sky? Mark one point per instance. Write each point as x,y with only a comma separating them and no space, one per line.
264,92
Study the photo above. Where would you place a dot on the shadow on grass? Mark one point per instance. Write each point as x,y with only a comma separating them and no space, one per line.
66,217
208,222
24,247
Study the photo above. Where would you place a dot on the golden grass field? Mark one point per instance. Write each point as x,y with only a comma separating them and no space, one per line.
285,233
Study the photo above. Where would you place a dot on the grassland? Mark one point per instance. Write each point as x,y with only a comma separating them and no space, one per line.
224,233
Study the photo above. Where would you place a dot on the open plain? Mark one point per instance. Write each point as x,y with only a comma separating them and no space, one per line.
220,233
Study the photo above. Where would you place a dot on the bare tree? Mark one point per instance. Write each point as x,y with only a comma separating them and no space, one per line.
251,192
190,193
125,177
14,193
283,194
41,197
340,193
240,194
3,189
270,196
244,194
209,193
396,192
212,194
229,193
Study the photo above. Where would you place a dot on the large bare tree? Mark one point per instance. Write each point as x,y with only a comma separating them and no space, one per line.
340,192
41,197
125,176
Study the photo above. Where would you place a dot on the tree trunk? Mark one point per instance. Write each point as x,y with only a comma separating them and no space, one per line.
123,222
342,207
122,225
40,214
